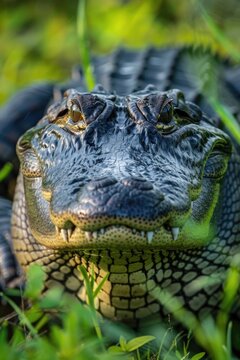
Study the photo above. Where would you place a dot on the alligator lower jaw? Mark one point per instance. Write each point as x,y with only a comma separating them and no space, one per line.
69,235
118,237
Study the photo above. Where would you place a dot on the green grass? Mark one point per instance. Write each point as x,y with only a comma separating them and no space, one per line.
73,330
42,40
57,326
227,118
5,171
84,46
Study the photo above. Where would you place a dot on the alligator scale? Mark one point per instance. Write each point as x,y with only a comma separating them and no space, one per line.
138,178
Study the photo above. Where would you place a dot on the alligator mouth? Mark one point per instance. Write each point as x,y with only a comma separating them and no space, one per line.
185,233
71,235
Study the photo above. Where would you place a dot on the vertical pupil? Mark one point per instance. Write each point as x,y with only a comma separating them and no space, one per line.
166,114
76,116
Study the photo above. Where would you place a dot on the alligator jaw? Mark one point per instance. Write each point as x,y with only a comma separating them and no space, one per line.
75,234
66,234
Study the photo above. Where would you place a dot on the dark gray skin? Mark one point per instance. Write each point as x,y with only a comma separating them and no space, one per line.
149,162
143,185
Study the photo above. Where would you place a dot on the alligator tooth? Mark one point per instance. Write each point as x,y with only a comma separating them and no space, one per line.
150,236
69,232
102,231
134,231
175,232
57,229
88,235
64,234
95,234
142,233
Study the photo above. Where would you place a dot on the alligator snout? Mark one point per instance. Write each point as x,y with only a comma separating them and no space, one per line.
131,202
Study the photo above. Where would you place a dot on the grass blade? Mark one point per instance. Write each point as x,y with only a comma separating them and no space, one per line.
218,34
227,118
88,284
99,287
83,42
5,171
21,315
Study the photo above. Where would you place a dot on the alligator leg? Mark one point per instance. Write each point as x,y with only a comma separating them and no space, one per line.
9,271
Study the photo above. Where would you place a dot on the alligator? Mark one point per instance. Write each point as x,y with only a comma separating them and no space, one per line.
138,178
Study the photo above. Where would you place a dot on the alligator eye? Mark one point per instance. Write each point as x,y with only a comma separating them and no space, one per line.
166,114
76,114
76,120
165,120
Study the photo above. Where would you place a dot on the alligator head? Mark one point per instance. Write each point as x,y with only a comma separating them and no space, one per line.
103,171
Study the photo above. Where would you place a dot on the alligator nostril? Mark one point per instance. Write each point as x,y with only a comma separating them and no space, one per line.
101,183
137,182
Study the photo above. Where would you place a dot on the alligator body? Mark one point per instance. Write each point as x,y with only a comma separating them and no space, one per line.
135,178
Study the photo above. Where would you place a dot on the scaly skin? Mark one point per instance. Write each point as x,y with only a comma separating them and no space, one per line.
143,186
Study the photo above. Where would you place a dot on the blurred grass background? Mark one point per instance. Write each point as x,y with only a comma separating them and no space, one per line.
39,39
